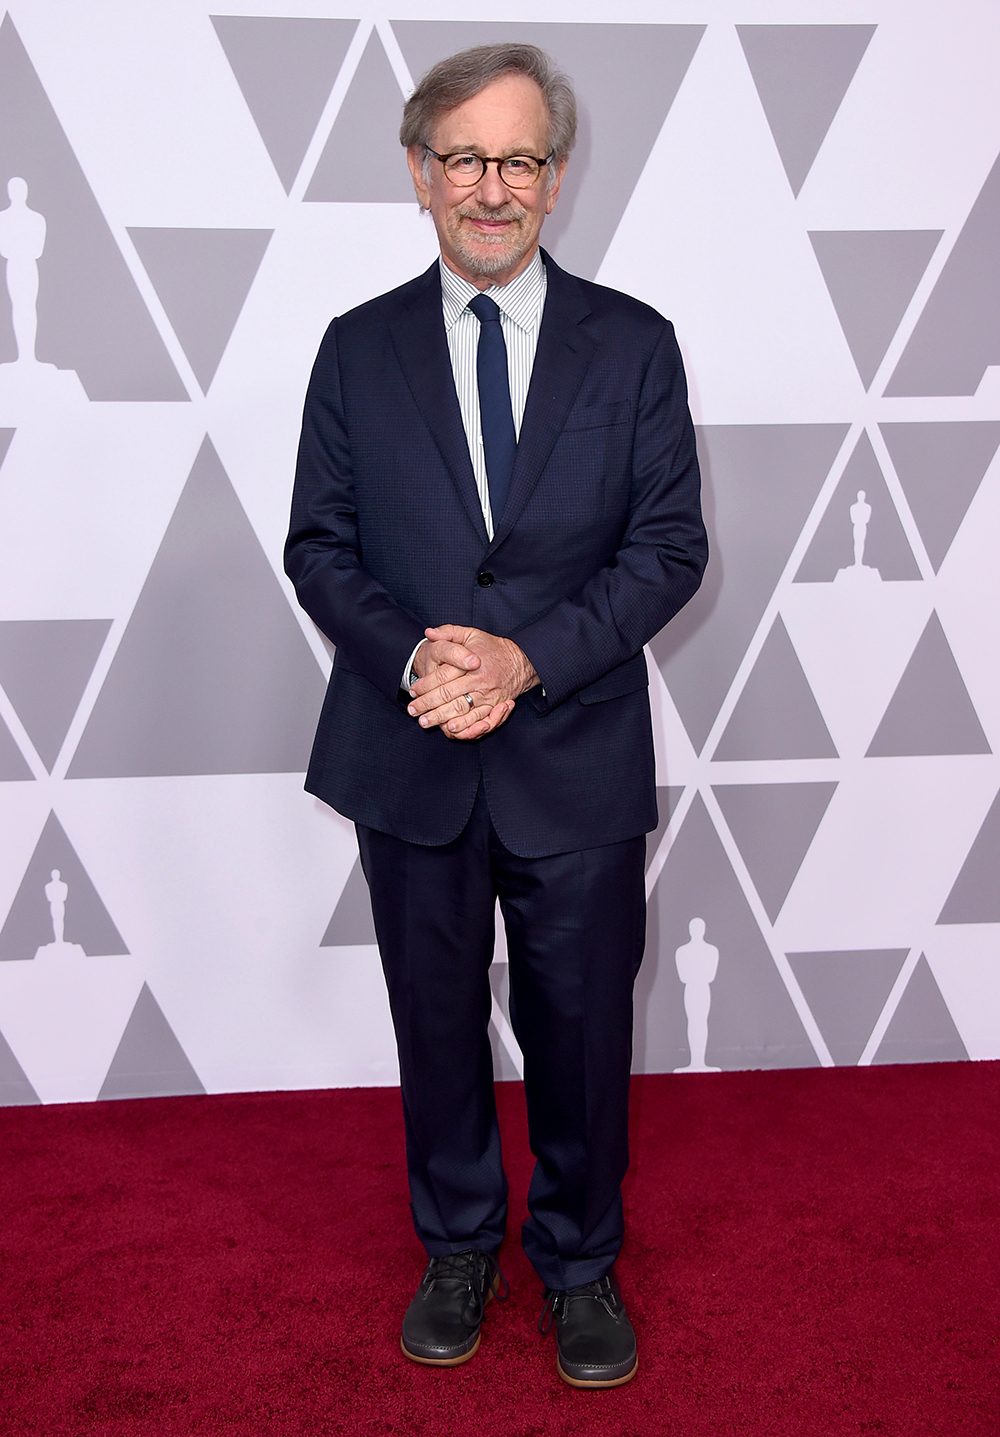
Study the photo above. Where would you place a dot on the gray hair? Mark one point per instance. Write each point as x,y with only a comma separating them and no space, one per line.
453,81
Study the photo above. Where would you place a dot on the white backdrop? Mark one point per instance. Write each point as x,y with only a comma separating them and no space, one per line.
812,192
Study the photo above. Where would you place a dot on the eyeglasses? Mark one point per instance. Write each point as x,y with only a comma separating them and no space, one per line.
518,172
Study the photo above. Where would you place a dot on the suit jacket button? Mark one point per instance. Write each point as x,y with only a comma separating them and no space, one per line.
485,579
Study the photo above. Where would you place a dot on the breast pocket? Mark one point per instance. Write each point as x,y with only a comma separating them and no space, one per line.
598,416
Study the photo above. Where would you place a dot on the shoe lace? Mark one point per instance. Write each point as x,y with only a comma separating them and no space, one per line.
479,1271
558,1299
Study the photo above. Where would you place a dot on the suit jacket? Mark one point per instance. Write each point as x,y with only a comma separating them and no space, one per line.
599,544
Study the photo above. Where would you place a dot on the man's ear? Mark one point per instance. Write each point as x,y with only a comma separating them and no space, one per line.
415,160
553,194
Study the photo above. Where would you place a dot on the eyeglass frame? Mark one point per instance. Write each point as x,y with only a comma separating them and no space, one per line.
487,160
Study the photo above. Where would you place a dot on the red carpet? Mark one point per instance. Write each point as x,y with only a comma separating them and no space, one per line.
809,1253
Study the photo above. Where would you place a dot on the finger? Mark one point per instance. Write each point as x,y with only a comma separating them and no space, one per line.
452,633
445,674
439,696
496,716
455,713
444,651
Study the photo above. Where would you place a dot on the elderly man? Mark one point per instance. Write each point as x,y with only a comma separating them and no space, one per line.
496,506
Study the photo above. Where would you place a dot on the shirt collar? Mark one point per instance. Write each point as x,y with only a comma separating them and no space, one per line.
521,300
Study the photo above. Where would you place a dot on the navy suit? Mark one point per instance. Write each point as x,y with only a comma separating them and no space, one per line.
599,544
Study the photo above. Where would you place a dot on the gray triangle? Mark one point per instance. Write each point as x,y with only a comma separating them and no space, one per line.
626,77
773,825
362,160
149,1062
846,993
752,1022
931,711
872,276
29,922
213,674
776,715
886,548
286,68
6,435
975,895
667,799
44,668
13,767
802,73
15,1090
202,278
504,1070
958,335
921,1030
759,482
940,467
352,924
91,317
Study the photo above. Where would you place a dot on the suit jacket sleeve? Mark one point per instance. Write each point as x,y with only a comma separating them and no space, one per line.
659,562
322,553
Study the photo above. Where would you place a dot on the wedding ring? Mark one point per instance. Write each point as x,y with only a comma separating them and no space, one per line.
469,700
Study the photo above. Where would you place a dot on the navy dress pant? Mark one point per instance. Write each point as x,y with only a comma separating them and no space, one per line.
575,925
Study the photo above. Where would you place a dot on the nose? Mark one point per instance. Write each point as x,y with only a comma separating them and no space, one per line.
491,189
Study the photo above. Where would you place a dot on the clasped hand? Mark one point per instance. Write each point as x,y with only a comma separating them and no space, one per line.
455,661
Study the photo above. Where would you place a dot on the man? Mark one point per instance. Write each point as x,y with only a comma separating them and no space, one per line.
495,508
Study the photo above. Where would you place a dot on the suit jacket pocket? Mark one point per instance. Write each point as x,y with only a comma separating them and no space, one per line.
598,416
627,678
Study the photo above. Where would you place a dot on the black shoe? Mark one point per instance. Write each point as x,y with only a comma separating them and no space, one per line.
442,1323
594,1338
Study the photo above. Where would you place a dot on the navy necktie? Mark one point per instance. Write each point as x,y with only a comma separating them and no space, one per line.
499,439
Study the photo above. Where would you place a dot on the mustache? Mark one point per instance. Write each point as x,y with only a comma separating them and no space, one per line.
483,212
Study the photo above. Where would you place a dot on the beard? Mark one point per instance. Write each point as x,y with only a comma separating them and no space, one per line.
485,254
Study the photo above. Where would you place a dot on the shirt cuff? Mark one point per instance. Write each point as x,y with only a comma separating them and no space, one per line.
409,677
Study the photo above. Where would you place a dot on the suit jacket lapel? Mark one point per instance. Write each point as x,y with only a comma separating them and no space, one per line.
422,350
562,358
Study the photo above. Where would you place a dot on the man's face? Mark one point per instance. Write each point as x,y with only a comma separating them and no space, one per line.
489,233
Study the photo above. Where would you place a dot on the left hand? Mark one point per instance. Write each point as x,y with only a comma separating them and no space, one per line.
505,672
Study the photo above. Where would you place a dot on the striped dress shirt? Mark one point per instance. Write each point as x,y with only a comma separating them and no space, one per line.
520,303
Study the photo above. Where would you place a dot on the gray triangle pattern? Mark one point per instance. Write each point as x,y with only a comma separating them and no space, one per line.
846,993
286,68
975,895
91,317
773,825
921,1030
362,160
504,1069
28,926
752,1022
886,547
15,1089
44,668
6,435
667,799
352,924
627,77
759,483
149,1061
958,335
802,73
931,711
776,715
871,276
940,467
13,768
202,278
213,674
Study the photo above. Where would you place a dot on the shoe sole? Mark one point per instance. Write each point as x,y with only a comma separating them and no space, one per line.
600,1382
442,1361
